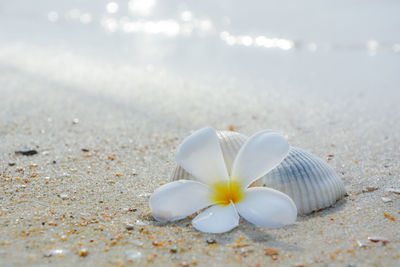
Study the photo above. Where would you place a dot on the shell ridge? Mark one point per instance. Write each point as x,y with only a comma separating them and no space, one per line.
222,141
338,182
183,173
333,178
230,143
316,180
237,144
296,183
281,172
296,192
308,180
277,182
280,182
309,198
175,175
327,179
227,155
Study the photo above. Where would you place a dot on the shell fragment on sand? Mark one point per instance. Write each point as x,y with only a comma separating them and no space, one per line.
377,239
393,190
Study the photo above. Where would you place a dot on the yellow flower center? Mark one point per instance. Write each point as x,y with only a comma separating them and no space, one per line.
227,192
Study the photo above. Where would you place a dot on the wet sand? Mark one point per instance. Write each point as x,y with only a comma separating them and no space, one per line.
106,138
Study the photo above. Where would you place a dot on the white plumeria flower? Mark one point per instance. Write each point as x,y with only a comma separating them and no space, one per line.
226,191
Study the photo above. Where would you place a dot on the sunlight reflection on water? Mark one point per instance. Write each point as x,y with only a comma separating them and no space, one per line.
142,7
285,44
262,41
133,17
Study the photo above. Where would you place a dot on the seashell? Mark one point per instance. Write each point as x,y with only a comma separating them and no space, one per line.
309,181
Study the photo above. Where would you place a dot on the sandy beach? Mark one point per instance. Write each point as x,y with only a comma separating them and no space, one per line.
106,130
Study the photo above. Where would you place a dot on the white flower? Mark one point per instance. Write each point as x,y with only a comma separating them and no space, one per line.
226,191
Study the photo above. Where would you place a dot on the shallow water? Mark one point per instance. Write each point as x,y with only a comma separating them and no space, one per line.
301,47
167,57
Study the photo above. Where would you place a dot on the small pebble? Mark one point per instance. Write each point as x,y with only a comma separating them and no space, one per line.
29,152
133,254
211,241
140,223
83,252
362,245
64,196
11,164
137,243
173,250
386,199
129,226
75,121
54,252
85,150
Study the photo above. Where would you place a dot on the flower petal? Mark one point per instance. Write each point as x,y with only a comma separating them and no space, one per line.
179,199
217,219
200,154
261,153
267,207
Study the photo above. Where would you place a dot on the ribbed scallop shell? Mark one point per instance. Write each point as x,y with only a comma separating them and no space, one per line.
308,180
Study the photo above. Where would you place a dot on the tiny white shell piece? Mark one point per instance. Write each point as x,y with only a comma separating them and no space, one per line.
309,181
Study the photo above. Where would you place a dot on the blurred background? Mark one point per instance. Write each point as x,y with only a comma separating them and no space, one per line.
321,50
